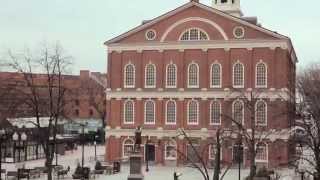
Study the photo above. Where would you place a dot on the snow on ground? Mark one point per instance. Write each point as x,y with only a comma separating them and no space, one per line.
155,172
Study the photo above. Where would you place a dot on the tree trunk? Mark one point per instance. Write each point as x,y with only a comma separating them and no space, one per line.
252,157
217,169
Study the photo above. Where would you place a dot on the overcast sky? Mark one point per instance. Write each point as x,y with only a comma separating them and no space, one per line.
81,26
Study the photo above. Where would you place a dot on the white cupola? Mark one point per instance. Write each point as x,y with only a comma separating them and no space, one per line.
229,6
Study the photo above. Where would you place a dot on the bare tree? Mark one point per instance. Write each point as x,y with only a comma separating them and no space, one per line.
308,87
43,92
245,125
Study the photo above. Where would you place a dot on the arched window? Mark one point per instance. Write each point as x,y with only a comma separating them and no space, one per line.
129,76
215,113
128,112
171,111
261,113
150,76
127,147
216,75
238,75
193,75
261,75
149,112
171,150
238,112
194,34
171,79
262,152
193,112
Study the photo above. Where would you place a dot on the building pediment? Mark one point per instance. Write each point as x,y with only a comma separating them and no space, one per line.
217,24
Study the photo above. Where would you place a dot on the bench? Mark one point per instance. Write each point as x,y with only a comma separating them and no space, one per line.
63,172
23,173
12,175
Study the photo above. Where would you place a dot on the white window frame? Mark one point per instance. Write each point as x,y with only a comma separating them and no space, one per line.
167,75
175,115
266,74
145,112
233,75
211,75
165,150
210,148
267,153
123,144
188,109
154,76
266,113
125,76
198,69
211,103
124,112
243,114
199,37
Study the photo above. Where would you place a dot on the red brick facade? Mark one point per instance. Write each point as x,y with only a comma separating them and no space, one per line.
257,45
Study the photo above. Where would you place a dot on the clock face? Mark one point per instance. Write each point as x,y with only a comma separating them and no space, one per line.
151,34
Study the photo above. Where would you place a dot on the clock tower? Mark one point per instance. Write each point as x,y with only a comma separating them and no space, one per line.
231,7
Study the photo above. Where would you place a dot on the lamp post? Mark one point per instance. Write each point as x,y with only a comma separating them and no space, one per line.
147,153
83,132
17,140
95,147
239,155
2,138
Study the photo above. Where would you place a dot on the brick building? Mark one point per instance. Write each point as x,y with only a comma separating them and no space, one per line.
84,100
192,68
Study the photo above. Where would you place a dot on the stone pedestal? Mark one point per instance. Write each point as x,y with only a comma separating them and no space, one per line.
135,167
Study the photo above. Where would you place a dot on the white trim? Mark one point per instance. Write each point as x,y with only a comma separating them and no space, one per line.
267,153
193,123
212,158
197,94
210,107
266,114
256,73
124,112
176,73
145,112
188,73
128,144
211,77
199,31
125,76
154,75
243,75
213,24
166,114
243,114
185,45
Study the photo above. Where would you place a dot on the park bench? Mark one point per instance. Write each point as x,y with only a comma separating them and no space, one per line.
12,175
34,173
63,172
84,173
23,173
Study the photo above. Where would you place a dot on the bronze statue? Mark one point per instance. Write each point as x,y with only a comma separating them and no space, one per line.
138,139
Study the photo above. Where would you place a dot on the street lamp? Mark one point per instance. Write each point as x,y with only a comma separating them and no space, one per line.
147,153
2,138
83,132
95,147
17,140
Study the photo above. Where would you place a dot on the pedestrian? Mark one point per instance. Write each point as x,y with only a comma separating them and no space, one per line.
176,175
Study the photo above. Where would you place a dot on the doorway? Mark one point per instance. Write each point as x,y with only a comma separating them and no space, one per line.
237,154
150,152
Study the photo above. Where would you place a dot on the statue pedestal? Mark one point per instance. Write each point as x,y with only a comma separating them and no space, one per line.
135,167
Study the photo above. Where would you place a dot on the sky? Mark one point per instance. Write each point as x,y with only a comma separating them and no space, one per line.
82,26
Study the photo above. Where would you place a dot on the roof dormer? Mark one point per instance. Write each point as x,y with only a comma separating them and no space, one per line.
231,7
